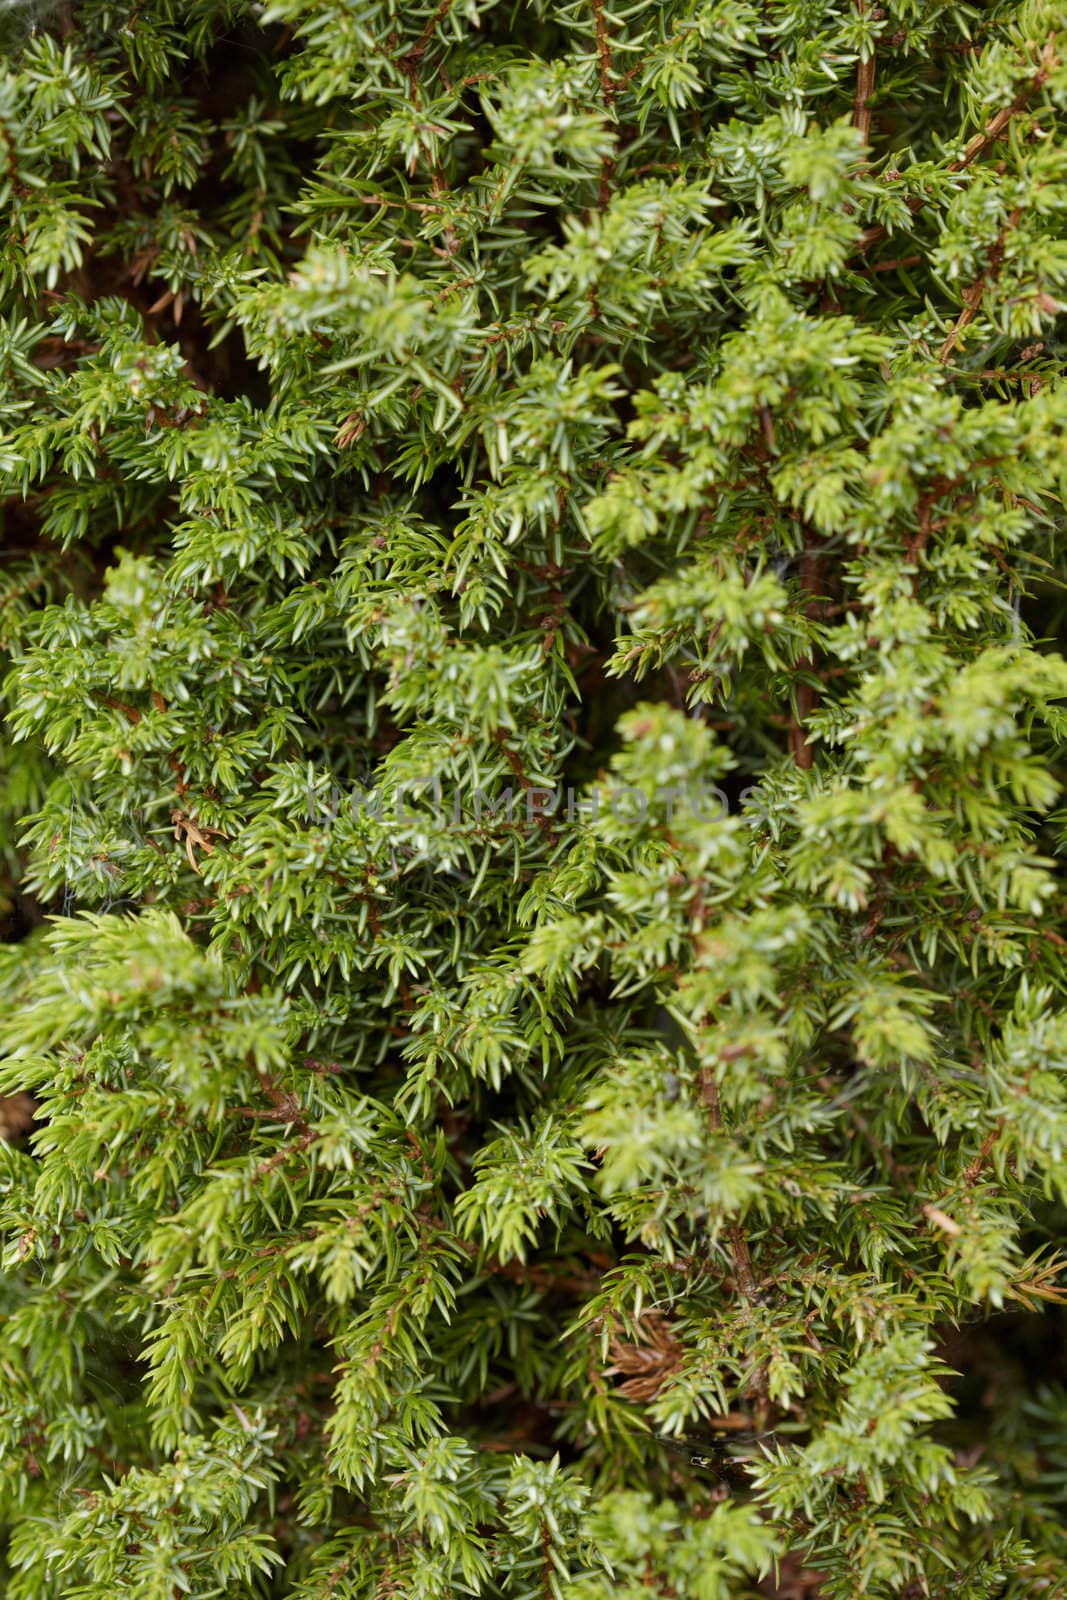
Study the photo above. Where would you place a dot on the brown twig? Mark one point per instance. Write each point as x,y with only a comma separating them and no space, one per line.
131,713
977,1166
546,1555
427,33
744,1273
608,86
284,1101
993,130
918,542
294,1147
998,124
609,89
529,788
399,205
861,110
972,297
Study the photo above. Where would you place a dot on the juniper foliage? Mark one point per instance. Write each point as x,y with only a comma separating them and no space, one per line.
409,404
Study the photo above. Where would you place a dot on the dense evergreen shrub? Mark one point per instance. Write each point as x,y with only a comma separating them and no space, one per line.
532,563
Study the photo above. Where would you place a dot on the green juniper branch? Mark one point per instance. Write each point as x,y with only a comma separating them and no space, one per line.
470,400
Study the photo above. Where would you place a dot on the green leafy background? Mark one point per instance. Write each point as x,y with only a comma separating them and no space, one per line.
533,397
